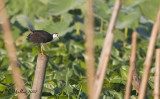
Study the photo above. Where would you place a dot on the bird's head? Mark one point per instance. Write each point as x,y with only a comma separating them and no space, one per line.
55,35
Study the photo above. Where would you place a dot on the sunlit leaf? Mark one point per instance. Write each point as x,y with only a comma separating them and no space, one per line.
115,78
117,95
124,72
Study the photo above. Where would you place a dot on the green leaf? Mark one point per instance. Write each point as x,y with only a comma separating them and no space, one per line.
130,3
24,21
115,78
41,24
58,27
2,87
124,72
117,95
69,89
99,39
149,9
78,70
84,86
56,7
127,19
35,51
68,18
102,9
16,32
52,27
8,79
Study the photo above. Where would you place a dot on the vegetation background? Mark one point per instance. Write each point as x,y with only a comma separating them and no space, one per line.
66,71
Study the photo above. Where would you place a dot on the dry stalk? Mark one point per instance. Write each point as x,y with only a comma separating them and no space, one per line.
11,50
132,65
157,76
149,56
106,51
89,45
37,87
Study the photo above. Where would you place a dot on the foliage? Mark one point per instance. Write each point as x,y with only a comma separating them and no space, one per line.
65,75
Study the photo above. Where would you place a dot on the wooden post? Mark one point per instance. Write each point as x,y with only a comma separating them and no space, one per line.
11,51
106,51
89,45
131,66
37,87
157,76
149,56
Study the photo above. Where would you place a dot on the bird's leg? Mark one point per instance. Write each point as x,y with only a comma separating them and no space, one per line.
42,49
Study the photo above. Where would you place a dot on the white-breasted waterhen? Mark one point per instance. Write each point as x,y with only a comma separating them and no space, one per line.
40,37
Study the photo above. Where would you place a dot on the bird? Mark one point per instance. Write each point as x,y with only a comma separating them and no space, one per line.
40,37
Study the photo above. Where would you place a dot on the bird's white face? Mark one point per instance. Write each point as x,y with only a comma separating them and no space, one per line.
55,35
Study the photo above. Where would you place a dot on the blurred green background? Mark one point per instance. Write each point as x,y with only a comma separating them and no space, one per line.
65,74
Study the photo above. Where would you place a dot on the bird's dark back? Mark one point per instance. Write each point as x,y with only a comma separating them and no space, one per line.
39,36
